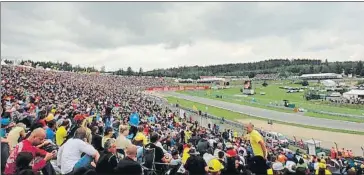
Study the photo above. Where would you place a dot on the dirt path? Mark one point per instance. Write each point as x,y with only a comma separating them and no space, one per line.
327,138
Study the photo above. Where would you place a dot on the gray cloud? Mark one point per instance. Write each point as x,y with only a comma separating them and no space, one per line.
165,34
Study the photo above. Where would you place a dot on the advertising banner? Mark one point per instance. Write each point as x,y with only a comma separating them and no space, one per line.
176,88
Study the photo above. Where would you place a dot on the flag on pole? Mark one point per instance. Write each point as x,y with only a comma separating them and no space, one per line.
194,108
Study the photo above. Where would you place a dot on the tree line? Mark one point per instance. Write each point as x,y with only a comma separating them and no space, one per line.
283,67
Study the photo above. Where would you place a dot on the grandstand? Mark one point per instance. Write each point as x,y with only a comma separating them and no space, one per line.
266,77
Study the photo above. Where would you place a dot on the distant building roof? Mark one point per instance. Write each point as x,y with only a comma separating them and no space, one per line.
212,79
355,92
329,83
207,77
321,76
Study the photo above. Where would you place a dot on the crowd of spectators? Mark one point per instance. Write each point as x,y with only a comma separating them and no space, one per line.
70,123
266,77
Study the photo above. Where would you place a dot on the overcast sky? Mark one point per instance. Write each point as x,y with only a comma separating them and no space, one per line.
167,34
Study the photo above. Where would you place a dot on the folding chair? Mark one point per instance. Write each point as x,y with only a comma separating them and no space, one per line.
175,169
148,163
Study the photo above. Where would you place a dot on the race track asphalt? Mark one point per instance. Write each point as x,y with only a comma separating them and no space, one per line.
274,115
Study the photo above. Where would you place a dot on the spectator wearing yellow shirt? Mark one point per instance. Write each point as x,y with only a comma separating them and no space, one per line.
258,163
188,135
109,131
322,170
185,154
140,139
50,117
235,134
61,133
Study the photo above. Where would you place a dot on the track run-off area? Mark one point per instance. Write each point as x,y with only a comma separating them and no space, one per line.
273,115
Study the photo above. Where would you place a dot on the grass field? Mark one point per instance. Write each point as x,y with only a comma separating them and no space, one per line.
275,95
236,116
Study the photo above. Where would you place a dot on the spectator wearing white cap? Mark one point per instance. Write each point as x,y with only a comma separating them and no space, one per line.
278,168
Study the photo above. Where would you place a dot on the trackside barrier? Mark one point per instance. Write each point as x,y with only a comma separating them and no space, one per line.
206,118
178,88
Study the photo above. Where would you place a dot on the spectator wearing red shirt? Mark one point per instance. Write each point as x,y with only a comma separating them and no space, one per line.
37,137
230,151
146,130
333,153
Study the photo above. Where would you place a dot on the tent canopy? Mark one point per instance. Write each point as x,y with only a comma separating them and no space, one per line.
355,92
3,62
329,83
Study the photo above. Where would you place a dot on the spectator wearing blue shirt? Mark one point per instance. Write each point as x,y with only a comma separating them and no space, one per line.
50,134
173,142
289,155
5,121
134,123
217,129
171,126
250,150
134,119
151,119
140,151
108,122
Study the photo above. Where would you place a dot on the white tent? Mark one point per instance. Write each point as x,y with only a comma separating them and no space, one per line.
329,83
322,76
354,93
3,62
